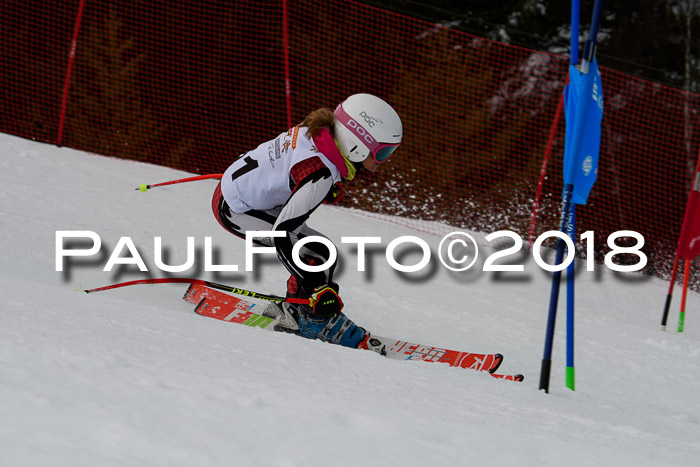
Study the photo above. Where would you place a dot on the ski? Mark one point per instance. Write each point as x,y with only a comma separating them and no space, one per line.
212,303
516,377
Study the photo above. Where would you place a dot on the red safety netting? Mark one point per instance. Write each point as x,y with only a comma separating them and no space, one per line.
193,84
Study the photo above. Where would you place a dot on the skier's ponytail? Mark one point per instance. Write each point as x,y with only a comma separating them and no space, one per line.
317,120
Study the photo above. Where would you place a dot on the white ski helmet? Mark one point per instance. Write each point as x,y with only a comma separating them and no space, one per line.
365,124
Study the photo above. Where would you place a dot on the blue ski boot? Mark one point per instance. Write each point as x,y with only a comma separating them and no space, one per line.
338,329
322,320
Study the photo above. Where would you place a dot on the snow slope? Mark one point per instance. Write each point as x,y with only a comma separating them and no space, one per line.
133,377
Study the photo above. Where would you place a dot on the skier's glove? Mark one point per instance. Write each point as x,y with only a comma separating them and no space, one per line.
325,302
334,195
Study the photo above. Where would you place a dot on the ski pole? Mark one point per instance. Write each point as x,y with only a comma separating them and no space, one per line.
143,187
213,285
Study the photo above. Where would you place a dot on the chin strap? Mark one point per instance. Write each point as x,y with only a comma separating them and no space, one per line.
352,170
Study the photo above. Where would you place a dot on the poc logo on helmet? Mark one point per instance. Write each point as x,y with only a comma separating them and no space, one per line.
370,120
360,131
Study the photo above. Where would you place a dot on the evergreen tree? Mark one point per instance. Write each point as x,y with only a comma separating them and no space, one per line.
105,110
650,39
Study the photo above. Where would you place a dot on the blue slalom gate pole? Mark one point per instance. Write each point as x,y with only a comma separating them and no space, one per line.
554,293
570,285
575,14
566,221
570,273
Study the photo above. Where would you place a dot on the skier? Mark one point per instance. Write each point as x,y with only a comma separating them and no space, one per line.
277,186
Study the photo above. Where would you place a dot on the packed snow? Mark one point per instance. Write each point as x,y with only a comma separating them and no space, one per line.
133,377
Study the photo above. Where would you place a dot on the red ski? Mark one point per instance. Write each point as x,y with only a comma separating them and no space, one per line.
215,304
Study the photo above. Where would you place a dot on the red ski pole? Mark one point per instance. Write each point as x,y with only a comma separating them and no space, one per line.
213,285
143,187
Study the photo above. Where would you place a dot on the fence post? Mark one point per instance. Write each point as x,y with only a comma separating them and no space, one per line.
285,45
543,169
69,69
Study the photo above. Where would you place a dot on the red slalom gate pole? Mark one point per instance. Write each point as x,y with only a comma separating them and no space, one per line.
667,305
684,295
669,295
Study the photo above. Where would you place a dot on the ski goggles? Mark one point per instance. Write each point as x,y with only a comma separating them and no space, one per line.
380,151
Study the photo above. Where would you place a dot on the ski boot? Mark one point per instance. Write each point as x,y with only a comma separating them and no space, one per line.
337,329
285,318
301,320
